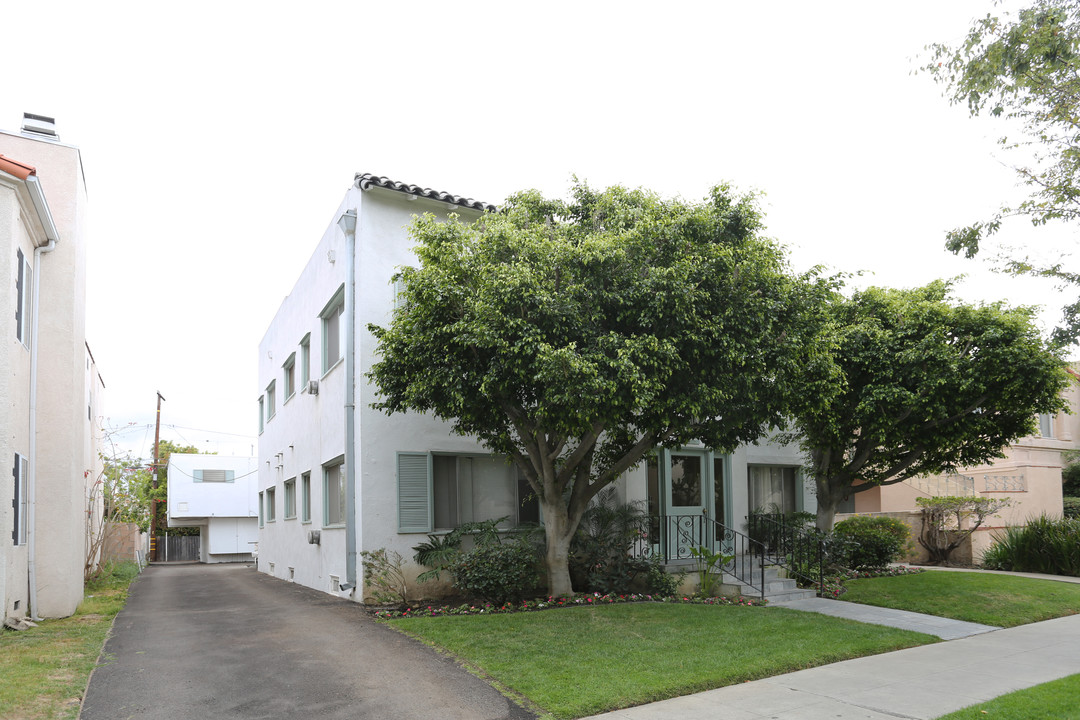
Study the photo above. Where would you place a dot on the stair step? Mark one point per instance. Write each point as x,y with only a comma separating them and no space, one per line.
790,596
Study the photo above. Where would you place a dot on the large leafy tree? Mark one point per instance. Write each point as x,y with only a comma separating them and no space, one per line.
575,336
926,386
1027,69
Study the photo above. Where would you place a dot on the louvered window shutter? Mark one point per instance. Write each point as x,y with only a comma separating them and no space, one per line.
16,501
414,492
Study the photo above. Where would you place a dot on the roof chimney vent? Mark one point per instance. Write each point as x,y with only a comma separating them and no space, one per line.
39,126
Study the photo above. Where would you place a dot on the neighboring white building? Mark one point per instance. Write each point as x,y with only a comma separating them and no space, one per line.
410,474
49,384
219,494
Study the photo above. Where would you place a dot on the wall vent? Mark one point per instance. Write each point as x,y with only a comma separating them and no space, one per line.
292,574
314,537
39,126
271,568
335,583
312,387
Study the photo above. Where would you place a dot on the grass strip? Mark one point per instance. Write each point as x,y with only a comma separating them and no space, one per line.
1056,699
580,661
987,598
45,669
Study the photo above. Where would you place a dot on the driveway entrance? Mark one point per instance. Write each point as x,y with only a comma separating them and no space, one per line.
225,641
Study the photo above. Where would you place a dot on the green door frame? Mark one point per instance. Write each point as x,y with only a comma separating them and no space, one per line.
710,463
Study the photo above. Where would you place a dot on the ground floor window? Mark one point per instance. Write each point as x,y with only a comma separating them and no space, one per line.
290,498
771,488
440,491
334,493
305,497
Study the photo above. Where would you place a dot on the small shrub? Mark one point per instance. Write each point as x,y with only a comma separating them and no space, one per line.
1071,507
498,573
710,568
658,582
876,540
949,520
384,576
441,551
602,557
1045,545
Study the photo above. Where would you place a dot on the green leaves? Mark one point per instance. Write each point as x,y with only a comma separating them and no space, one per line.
926,386
1026,69
576,335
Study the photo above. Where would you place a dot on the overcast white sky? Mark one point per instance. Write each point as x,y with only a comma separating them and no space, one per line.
218,138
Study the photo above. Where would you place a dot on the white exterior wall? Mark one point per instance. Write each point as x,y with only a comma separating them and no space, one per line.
92,444
19,229
63,469
226,512
307,430
383,246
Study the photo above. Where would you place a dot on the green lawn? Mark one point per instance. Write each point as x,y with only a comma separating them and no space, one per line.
579,661
45,669
988,598
1059,699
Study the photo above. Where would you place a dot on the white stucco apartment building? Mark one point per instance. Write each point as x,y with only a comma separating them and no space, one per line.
50,386
219,495
328,490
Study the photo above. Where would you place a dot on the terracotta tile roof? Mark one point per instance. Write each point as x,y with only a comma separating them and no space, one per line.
16,168
366,180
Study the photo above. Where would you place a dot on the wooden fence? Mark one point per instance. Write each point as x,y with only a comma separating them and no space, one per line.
177,548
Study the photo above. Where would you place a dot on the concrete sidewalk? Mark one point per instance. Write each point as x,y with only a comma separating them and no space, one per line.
978,663
923,682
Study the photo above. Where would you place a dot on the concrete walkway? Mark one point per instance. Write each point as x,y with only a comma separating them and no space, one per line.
978,663
944,628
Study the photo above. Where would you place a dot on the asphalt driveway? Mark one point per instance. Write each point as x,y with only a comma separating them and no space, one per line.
225,641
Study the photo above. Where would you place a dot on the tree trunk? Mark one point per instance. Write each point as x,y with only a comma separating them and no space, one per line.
558,534
827,502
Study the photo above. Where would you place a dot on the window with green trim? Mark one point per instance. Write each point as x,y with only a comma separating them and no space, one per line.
289,377
440,491
290,499
333,330
334,495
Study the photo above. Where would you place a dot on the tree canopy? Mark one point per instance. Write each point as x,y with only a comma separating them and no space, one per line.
926,385
576,336
1027,69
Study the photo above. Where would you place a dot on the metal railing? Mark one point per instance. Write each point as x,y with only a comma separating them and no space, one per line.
804,552
671,538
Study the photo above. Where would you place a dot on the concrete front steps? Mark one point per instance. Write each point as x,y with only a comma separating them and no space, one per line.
778,589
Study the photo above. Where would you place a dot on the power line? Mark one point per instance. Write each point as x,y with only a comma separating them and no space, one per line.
212,432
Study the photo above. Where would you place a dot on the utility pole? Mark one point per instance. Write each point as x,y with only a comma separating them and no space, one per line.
153,482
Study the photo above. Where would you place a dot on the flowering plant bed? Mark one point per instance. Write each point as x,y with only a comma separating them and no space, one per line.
582,600
835,587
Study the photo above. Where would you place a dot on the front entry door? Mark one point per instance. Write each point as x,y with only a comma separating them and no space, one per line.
687,498
686,494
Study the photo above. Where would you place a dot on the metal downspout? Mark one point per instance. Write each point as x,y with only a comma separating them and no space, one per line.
38,198
350,404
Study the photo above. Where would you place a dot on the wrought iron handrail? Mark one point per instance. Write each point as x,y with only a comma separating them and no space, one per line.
804,552
674,536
